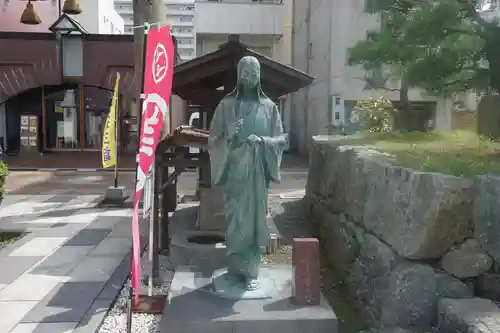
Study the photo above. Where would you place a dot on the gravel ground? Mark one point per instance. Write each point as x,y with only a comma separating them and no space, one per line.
116,319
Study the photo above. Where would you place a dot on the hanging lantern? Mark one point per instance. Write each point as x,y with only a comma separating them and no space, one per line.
29,15
71,7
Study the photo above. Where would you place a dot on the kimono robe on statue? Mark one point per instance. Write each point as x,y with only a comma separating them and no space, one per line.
244,167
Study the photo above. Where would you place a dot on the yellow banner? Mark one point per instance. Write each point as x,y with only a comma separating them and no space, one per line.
109,136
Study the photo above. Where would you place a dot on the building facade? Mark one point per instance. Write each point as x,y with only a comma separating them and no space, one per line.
97,17
265,26
179,15
323,31
260,24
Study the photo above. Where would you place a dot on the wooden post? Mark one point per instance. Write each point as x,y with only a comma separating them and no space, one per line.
165,203
44,123
81,114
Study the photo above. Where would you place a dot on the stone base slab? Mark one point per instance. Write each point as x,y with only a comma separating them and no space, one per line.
115,195
193,307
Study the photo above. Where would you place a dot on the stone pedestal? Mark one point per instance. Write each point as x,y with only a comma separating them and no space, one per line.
115,195
211,216
194,307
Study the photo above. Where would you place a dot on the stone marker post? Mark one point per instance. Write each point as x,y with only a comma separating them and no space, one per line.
306,271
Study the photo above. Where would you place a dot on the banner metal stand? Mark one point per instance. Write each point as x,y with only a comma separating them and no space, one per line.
153,304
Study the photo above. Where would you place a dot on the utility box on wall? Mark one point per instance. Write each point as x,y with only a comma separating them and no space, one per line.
337,111
343,118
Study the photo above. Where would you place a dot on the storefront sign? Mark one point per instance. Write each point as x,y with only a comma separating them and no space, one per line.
158,74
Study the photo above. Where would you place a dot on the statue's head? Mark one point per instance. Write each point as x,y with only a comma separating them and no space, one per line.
248,72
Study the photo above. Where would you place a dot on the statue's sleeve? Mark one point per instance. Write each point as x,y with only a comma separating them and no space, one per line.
274,146
217,145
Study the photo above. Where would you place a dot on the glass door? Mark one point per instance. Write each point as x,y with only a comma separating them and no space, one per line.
62,119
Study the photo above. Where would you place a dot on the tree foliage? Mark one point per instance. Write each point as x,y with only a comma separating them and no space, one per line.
439,45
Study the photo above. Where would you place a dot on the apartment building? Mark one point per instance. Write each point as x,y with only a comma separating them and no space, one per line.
97,17
179,15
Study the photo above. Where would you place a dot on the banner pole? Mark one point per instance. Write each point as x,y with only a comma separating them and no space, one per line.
139,121
152,233
115,180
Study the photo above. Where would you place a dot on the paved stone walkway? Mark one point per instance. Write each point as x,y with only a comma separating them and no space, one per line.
67,271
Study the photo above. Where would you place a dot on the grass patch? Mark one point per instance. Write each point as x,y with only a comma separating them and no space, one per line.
458,153
9,237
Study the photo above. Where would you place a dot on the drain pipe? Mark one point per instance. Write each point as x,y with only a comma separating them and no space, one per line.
329,89
308,69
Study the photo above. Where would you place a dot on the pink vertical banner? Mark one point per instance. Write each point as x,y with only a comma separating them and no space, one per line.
158,74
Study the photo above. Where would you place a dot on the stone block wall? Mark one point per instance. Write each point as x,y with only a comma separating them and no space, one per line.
403,240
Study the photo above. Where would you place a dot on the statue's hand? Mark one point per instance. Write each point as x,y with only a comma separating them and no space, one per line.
252,138
234,128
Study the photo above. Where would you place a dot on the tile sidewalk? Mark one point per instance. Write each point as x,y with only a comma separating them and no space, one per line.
65,274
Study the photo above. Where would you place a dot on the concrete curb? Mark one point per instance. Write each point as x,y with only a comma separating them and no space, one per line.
113,287
71,169
284,170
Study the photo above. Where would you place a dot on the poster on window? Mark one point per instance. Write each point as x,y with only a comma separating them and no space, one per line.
29,132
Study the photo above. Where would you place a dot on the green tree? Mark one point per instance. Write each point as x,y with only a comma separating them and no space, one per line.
442,46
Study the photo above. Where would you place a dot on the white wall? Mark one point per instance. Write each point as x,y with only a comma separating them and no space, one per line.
99,17
110,22
242,17
320,48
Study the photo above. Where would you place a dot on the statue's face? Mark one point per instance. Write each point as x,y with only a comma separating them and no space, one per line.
249,72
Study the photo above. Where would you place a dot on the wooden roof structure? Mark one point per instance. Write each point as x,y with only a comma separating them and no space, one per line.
196,78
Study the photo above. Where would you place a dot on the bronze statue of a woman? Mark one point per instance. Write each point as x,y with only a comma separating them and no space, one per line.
246,145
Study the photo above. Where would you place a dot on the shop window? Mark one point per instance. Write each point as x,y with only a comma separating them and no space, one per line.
63,126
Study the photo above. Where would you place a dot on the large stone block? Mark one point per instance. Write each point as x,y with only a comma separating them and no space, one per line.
340,240
488,286
421,215
413,292
394,293
466,260
336,173
487,214
368,276
468,315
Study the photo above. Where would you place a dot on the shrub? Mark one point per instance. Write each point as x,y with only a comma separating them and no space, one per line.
4,170
375,115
